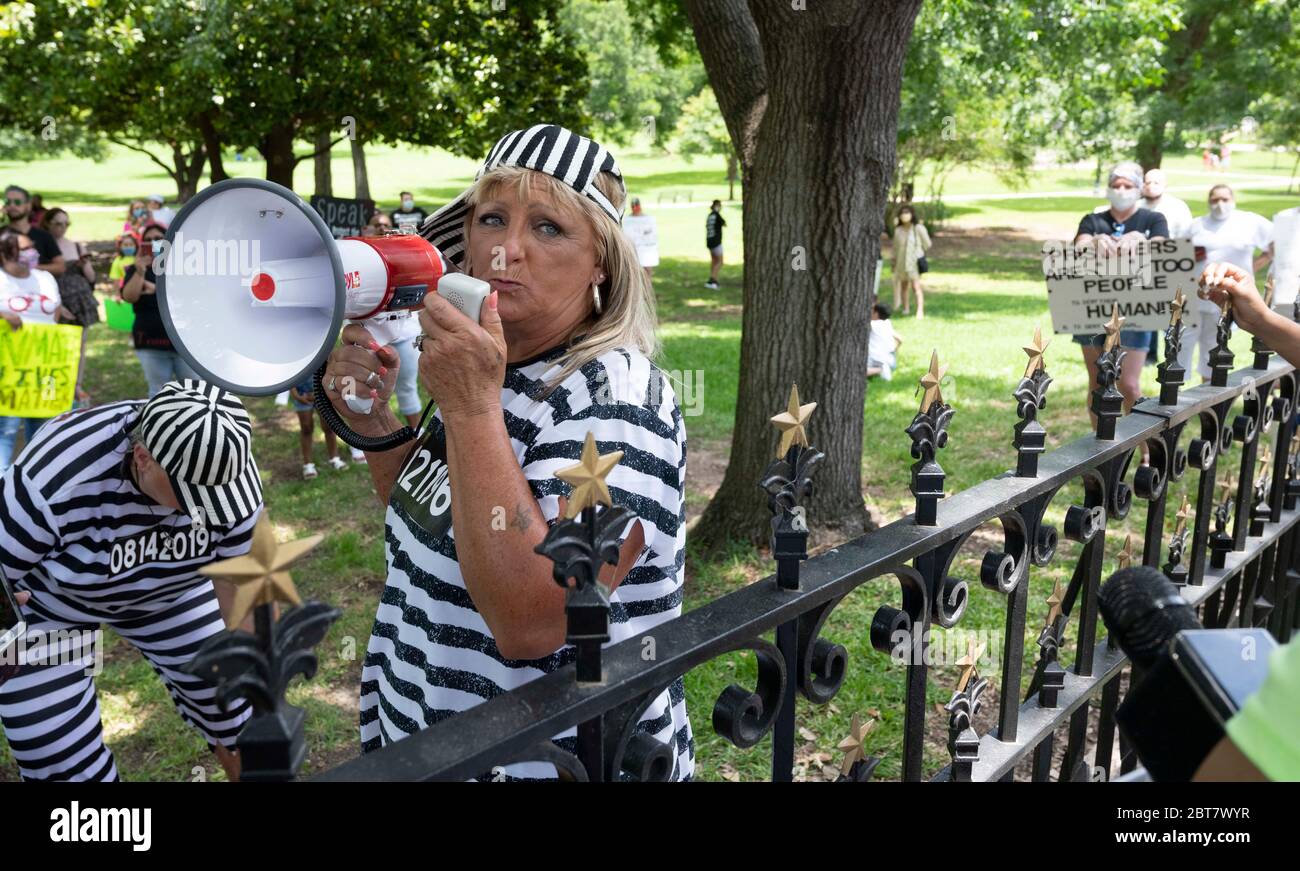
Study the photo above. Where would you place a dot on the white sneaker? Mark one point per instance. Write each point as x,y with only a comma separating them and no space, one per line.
358,456
308,471
711,285
337,463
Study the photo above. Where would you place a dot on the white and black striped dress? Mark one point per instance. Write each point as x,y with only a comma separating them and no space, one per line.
431,654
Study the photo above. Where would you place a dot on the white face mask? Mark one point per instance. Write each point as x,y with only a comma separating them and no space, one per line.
1221,211
408,204
1122,199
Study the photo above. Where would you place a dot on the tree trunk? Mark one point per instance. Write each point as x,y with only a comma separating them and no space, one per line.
277,149
1151,142
324,175
193,173
359,171
816,142
187,169
212,145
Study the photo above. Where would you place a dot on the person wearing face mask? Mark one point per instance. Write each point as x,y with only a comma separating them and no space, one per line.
27,296
1228,235
126,246
1115,230
409,217
18,209
137,215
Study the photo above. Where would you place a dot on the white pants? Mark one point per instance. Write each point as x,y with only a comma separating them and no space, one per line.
1198,341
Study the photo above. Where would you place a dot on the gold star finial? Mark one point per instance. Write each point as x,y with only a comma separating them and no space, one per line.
1035,352
1054,602
791,422
261,576
587,478
854,745
1112,328
1176,308
931,381
1124,558
1184,511
969,664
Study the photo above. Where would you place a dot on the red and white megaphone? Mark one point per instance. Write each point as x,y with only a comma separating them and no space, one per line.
253,288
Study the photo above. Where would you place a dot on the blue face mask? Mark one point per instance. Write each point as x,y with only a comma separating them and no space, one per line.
139,213
128,252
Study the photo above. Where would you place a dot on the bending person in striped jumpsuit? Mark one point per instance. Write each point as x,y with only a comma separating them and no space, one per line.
106,518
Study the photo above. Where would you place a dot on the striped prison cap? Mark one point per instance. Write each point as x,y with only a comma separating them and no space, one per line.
549,148
203,439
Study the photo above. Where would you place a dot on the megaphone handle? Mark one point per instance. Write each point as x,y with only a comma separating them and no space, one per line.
335,421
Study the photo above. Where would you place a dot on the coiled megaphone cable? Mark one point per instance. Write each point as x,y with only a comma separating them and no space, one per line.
335,421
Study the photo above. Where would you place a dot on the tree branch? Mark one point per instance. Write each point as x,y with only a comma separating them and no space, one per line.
324,148
171,171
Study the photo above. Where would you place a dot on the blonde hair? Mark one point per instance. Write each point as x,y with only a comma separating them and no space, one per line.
627,318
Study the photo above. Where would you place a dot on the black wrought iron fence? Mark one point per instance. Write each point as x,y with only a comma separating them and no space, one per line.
1240,568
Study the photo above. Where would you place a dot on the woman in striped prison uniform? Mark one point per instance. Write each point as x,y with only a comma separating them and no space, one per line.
564,346
105,520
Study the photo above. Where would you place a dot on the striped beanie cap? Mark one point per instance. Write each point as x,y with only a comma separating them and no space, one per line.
549,148
203,439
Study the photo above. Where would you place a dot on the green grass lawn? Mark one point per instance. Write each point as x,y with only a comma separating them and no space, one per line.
985,296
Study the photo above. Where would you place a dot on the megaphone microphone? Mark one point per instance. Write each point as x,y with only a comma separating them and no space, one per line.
253,290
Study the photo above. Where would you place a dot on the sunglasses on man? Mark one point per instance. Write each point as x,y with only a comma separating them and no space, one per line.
15,201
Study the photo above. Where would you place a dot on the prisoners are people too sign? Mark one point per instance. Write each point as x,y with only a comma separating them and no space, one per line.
1083,286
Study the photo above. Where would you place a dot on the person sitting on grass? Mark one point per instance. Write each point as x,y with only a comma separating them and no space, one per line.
882,344
303,396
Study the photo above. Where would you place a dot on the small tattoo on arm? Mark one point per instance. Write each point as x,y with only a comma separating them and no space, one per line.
523,518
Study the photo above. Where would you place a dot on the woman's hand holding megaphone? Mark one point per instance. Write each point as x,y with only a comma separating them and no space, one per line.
361,368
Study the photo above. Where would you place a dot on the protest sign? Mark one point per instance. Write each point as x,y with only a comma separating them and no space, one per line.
343,217
38,369
1083,287
644,234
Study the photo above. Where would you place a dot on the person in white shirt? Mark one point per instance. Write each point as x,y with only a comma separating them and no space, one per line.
642,230
1176,212
27,296
1285,270
882,344
158,212
1230,235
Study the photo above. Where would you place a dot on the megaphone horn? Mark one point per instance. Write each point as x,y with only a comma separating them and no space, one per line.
254,289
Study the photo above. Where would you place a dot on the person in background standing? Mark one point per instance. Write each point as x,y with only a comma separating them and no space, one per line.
1115,230
153,346
882,345
1177,215
1231,235
1154,197
911,242
1285,268
713,225
126,246
18,208
642,230
158,212
409,217
303,397
27,296
37,216
76,286
137,215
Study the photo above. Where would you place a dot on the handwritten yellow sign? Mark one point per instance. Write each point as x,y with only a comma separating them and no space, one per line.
38,369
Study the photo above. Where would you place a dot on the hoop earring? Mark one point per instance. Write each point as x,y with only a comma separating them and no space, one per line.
595,297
